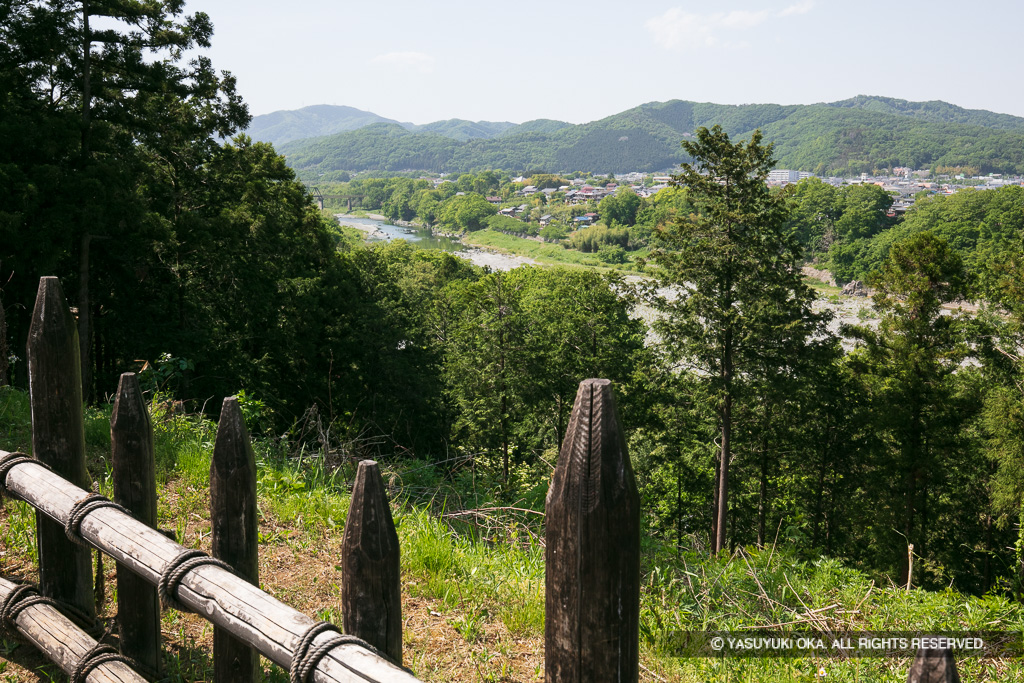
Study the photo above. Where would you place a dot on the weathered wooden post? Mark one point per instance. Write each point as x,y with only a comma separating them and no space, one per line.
58,439
131,438
592,624
371,601
933,665
234,532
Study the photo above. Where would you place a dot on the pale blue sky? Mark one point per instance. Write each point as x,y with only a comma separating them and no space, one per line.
581,61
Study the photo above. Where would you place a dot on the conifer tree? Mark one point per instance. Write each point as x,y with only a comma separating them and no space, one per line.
737,301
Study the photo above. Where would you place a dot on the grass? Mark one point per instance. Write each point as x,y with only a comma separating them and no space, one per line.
823,289
542,252
473,584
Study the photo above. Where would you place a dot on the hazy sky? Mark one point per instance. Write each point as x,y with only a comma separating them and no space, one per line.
581,61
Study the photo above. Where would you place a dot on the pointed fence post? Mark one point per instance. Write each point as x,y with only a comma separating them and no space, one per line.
131,439
58,439
371,601
234,532
933,665
592,621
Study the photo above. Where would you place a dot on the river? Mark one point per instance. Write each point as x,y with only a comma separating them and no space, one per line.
379,230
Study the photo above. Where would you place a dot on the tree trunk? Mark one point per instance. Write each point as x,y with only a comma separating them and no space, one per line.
504,440
725,418
4,350
714,500
86,78
84,317
679,507
723,476
912,462
818,499
762,503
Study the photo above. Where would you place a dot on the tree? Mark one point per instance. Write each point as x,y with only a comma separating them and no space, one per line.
621,207
920,405
466,212
517,345
814,212
126,119
741,303
486,359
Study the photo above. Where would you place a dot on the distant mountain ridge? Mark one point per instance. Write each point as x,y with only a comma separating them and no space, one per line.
934,110
318,120
850,136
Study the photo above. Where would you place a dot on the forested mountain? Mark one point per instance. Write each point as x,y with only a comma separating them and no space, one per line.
318,120
933,110
853,136
460,129
321,119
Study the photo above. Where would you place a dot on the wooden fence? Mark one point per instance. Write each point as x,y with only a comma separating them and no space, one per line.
592,547
593,520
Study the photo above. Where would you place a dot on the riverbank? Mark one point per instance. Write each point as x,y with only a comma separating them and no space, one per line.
542,252
377,228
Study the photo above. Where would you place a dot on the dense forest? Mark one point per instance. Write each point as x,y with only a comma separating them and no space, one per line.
850,137
203,264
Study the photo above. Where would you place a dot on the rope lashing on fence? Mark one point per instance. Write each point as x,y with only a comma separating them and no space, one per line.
306,657
81,510
7,462
99,655
25,595
8,613
42,622
218,595
175,571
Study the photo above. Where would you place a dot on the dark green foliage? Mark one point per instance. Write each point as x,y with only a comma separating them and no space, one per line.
926,469
847,228
122,128
517,345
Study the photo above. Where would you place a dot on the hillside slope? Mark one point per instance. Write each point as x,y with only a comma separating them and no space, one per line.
853,136
283,126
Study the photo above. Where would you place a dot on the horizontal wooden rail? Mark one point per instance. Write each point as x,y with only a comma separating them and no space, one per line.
217,595
63,642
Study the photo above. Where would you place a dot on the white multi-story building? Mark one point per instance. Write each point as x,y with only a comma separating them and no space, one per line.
783,175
